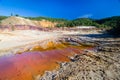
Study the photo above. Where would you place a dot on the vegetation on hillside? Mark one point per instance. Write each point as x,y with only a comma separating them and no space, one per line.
80,22
112,23
2,17
47,18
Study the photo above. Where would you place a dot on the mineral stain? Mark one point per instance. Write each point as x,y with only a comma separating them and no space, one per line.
28,65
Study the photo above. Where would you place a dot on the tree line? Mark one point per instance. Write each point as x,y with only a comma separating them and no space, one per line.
113,23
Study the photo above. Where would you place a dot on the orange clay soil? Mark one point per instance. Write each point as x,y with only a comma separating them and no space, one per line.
28,65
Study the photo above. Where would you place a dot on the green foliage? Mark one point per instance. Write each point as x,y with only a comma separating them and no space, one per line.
83,22
80,22
59,25
115,28
0,22
47,18
113,23
110,22
16,15
2,17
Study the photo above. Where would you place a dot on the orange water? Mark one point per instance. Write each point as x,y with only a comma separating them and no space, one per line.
28,65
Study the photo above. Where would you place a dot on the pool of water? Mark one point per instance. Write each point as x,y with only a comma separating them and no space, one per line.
27,65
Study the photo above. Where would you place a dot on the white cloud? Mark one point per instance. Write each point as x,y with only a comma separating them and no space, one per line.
86,16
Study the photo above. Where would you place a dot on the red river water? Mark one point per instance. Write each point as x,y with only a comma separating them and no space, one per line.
27,65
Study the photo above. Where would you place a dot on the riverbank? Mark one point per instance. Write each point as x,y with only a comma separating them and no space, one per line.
102,63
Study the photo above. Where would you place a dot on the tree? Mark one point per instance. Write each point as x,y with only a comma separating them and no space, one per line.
16,15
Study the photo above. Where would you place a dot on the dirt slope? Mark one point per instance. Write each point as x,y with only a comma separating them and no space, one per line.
22,21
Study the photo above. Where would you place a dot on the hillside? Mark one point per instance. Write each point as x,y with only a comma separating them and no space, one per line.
22,21
105,23
111,22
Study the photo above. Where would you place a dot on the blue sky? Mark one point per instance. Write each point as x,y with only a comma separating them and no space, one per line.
69,9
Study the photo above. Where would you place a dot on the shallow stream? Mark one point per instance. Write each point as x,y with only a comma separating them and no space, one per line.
29,64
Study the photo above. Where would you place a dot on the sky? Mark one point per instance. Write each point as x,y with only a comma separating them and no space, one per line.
69,9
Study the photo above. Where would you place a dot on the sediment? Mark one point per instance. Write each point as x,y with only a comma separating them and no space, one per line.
102,63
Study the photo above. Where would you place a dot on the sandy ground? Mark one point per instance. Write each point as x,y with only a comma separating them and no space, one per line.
17,39
13,41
